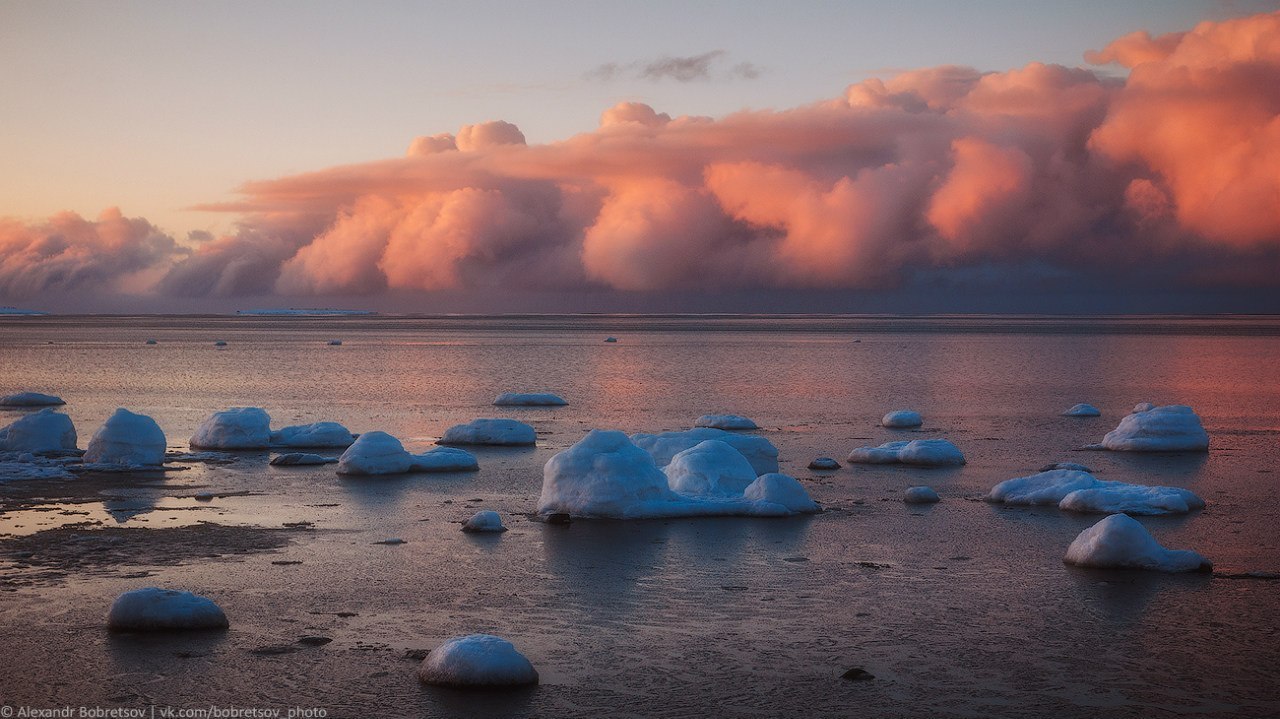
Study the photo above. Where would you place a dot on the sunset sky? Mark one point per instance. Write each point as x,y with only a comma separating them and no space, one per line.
555,156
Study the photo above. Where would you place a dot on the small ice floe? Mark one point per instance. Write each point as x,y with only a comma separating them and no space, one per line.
759,451
157,610
30,399
1066,465
300,459
610,339
22,466
710,469
1082,492
127,439
1143,407
220,343
484,521
335,343
725,421
901,419
375,453
477,660
1171,428
44,431
920,453
317,435
151,342
497,432
606,475
1121,542
235,428
920,495
822,463
1082,410
529,399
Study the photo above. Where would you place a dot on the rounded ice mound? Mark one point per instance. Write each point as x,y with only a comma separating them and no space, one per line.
30,399
44,431
235,428
710,469
444,459
1043,488
1081,410
886,453
1171,428
500,432
127,439
725,421
603,475
920,495
1143,407
824,463
781,490
153,609
901,418
477,660
759,451
484,521
1121,542
920,453
375,453
1117,497
529,399
317,435
300,459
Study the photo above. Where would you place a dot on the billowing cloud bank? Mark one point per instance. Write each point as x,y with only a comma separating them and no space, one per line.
1172,173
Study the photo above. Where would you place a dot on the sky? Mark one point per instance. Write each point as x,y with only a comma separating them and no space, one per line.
600,156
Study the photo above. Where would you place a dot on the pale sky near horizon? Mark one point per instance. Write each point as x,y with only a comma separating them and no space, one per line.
156,106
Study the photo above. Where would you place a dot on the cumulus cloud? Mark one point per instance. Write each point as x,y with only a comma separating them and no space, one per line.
690,68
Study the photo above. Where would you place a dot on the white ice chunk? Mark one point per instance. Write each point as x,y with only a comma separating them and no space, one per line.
444,459
380,453
44,431
710,469
920,495
501,432
759,451
901,418
1043,488
780,490
235,428
484,521
725,421
1171,428
317,435
1081,410
30,399
477,660
127,439
1121,542
155,609
1114,497
529,399
920,452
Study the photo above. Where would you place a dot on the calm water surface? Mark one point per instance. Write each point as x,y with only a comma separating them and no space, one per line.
961,609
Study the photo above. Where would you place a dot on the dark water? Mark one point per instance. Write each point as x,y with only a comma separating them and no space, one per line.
961,609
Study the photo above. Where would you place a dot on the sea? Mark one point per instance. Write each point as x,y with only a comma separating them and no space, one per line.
957,609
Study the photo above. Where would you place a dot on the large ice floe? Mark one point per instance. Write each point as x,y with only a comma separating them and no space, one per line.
529,399
44,431
919,452
1171,428
725,421
499,432
901,419
477,660
1081,410
1121,542
30,399
127,439
380,453
235,428
759,451
317,435
606,475
156,610
1082,492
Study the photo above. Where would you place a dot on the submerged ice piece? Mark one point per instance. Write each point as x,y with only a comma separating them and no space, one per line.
127,439
1171,428
300,459
44,431
477,660
235,428
1121,542
1081,410
499,432
901,419
920,495
759,451
726,421
317,435
529,399
30,399
156,610
377,453
920,453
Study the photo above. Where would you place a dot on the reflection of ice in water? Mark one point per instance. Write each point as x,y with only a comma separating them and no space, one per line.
122,509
